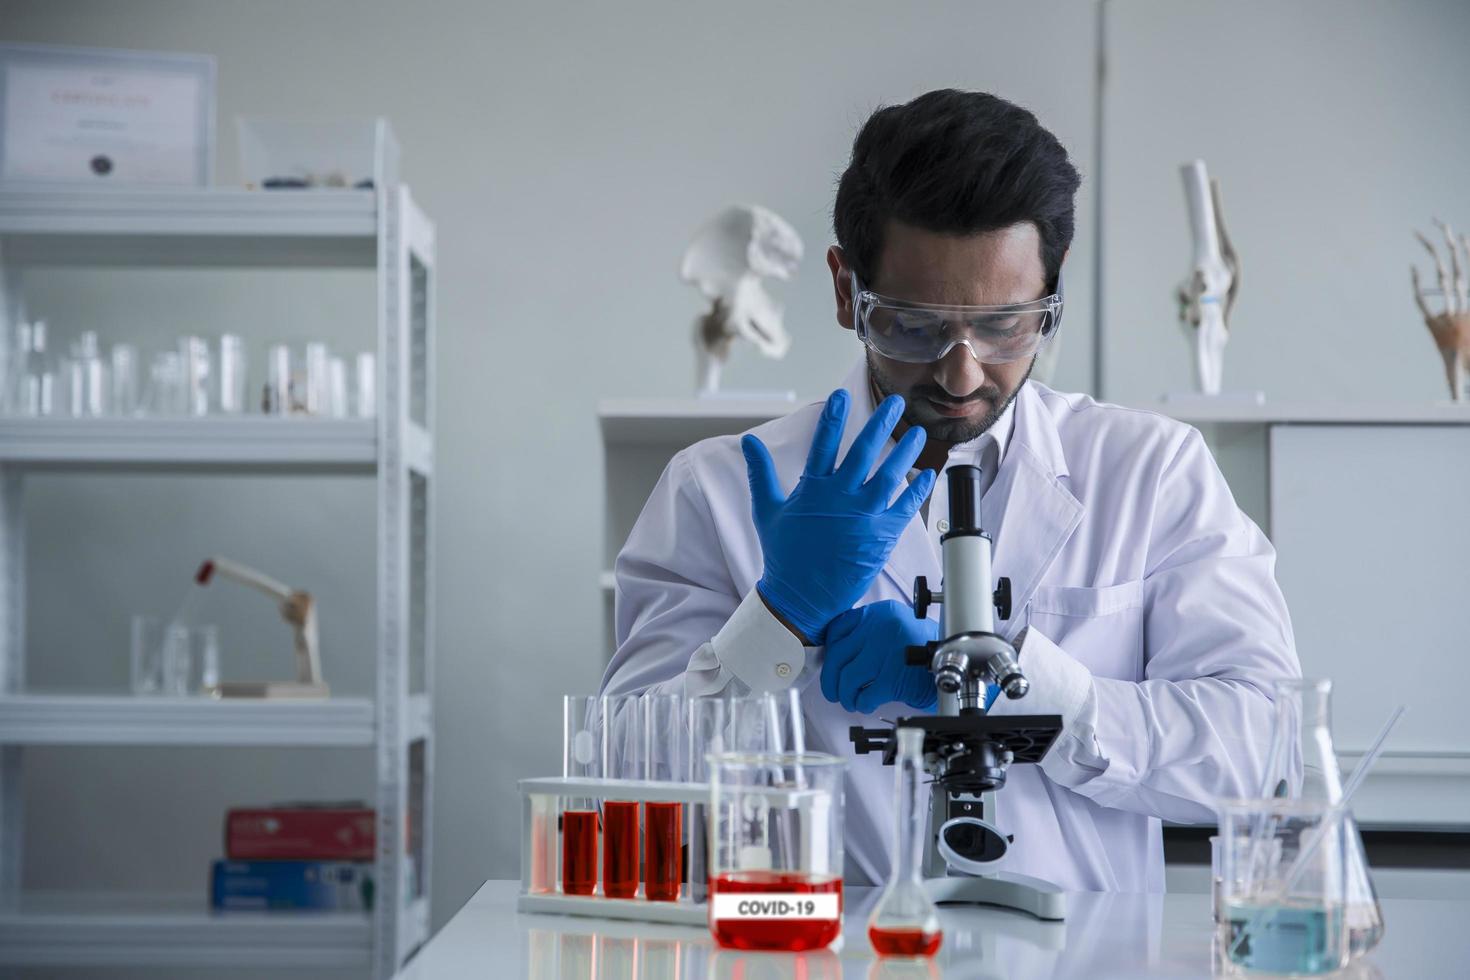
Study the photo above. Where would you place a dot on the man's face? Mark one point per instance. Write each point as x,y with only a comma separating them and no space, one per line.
956,398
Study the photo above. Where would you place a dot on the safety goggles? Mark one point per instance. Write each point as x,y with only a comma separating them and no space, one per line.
922,332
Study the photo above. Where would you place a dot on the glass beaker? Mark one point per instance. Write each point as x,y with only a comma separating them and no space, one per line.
190,659
1302,765
1283,889
33,388
622,758
769,722
147,655
904,922
775,850
581,759
663,761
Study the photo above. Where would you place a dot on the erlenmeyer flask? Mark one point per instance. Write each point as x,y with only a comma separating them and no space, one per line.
1303,765
904,922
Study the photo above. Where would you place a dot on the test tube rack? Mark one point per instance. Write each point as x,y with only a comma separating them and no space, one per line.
541,800
540,843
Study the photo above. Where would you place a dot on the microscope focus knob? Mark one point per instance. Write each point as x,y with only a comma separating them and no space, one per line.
1002,598
923,598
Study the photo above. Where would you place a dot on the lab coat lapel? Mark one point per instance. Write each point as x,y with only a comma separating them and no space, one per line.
1029,504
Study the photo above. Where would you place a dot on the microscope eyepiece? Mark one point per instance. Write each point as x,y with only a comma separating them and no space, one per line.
964,498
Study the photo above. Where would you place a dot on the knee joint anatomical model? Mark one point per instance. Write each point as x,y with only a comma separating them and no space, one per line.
1450,327
1207,296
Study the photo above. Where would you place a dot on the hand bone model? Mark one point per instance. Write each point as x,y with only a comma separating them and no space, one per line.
1451,326
1208,295
727,260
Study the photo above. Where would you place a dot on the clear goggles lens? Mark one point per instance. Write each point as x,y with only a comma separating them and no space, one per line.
920,332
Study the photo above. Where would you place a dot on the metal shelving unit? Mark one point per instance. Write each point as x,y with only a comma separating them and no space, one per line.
381,231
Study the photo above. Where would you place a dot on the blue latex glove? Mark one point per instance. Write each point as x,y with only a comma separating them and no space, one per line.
864,666
823,545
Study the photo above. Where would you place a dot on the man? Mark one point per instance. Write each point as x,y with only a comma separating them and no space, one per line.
1146,614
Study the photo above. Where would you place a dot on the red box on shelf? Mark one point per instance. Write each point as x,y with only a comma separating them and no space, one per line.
299,833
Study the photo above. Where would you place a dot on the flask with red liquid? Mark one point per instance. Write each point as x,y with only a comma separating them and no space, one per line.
776,851
904,922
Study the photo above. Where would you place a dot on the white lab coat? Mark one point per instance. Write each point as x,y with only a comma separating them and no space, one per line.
1155,626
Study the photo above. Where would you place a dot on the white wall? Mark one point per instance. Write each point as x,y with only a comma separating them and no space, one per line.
1334,128
566,151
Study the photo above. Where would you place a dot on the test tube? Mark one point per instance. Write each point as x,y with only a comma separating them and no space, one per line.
704,735
336,388
318,381
231,374
581,759
124,380
663,745
194,365
367,385
622,749
277,394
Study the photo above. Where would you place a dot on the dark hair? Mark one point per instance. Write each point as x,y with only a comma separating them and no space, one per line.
956,163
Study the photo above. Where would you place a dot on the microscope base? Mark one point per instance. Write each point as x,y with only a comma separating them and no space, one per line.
1041,898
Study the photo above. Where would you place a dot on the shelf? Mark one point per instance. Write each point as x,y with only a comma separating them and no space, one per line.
683,421
1201,411
655,421
189,226
53,719
130,930
209,441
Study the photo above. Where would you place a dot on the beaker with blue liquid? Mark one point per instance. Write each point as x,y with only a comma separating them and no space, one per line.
1283,888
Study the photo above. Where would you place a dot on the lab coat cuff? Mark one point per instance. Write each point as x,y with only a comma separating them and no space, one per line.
760,652
1060,685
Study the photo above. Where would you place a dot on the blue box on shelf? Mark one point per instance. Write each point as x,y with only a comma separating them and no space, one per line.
326,886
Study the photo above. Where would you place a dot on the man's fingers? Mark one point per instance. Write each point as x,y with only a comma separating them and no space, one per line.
895,468
854,676
865,449
760,469
913,498
822,457
837,656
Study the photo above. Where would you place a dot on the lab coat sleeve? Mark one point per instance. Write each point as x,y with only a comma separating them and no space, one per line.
682,624
1217,635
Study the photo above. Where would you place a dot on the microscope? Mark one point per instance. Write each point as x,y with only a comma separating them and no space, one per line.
966,750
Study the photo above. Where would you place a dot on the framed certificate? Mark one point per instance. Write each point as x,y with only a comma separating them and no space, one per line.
97,116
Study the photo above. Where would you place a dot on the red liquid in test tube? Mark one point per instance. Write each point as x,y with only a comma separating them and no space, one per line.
662,830
904,942
773,912
620,849
579,852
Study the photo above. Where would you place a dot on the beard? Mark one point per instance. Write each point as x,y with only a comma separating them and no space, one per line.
952,431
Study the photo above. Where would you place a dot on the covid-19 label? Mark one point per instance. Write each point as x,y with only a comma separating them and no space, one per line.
774,905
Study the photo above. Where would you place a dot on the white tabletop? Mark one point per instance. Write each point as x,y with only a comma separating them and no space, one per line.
1105,935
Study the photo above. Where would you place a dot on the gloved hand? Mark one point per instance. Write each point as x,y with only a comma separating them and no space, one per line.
823,545
864,666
